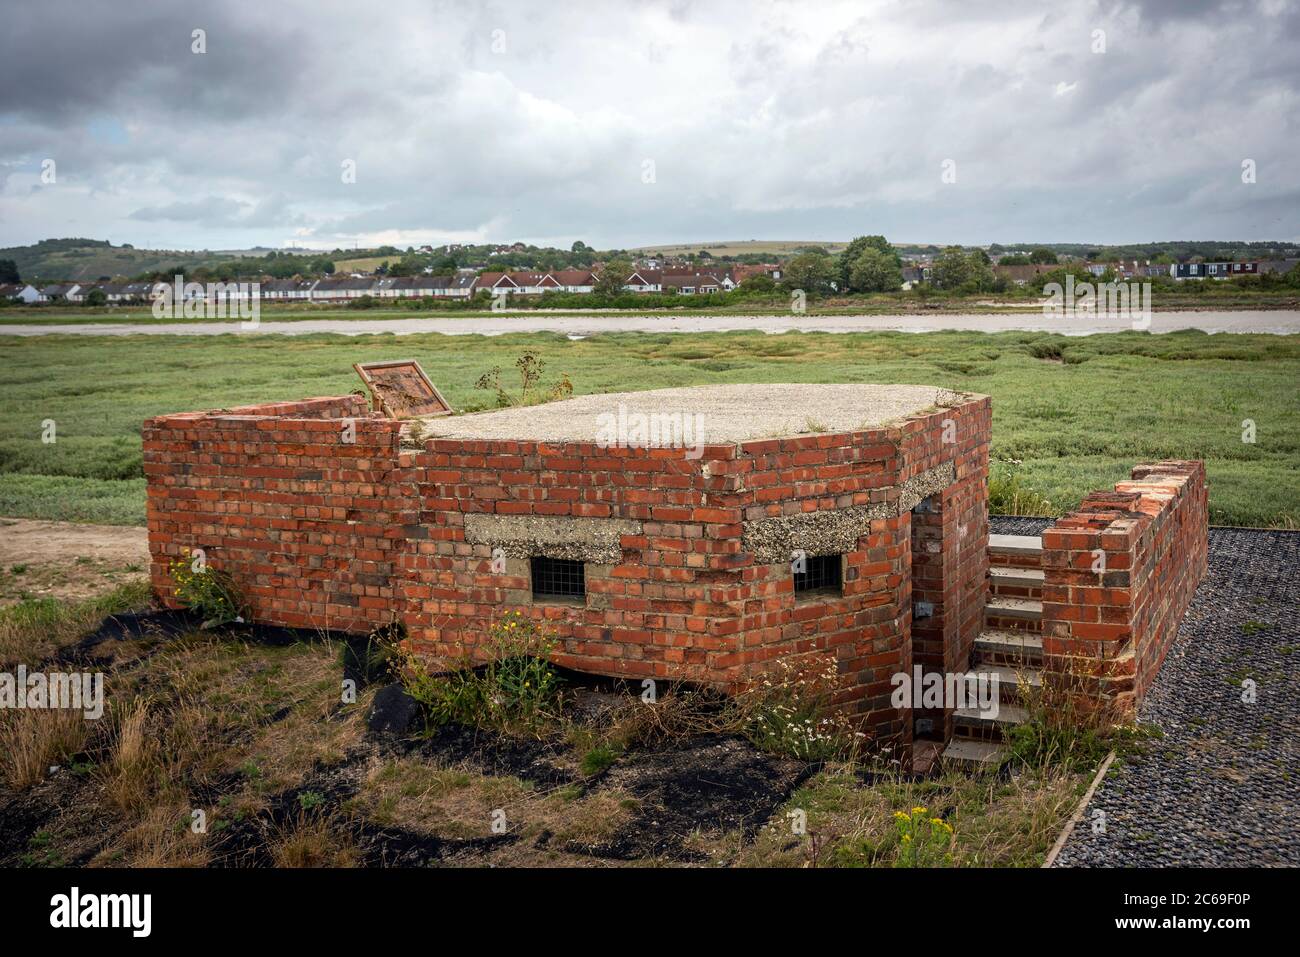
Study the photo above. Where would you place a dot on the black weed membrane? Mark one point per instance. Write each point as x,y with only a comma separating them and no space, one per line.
709,784
153,624
364,655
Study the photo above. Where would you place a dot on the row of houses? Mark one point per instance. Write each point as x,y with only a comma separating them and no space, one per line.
681,281
75,292
1134,270
462,285
523,283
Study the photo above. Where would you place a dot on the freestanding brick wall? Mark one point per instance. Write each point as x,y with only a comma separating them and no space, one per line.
308,525
688,561
1119,574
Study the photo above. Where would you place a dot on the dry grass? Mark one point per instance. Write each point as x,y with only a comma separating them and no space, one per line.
162,838
1069,725
134,764
312,841
678,713
230,705
997,823
458,803
429,798
31,741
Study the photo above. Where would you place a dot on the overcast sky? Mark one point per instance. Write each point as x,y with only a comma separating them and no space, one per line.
639,122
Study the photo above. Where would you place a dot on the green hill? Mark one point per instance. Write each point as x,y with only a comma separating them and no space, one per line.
92,259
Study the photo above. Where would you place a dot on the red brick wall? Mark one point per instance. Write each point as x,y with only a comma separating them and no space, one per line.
307,525
1107,625
950,541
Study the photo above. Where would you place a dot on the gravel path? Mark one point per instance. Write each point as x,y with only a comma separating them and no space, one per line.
1222,786
1278,322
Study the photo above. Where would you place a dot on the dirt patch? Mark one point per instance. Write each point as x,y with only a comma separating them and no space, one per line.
67,561
29,540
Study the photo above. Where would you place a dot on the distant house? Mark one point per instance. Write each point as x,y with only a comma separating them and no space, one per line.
1214,270
432,285
915,275
357,286
58,292
536,283
500,282
1132,269
116,292
740,273
326,289
20,292
699,283
412,287
645,280
1187,271
288,290
395,288
337,290
574,280
1238,269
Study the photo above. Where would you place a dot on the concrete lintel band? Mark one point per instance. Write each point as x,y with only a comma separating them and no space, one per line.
553,536
834,531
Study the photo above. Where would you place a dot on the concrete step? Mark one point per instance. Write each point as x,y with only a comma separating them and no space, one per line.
1013,614
1011,680
1014,648
1010,582
1017,551
1027,608
1025,545
972,724
973,754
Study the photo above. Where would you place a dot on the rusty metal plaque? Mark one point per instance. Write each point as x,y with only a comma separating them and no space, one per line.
401,389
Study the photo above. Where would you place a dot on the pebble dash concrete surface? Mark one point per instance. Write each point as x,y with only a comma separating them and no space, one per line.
721,413
1220,785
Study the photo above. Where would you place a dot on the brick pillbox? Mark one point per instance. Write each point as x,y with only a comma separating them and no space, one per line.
330,517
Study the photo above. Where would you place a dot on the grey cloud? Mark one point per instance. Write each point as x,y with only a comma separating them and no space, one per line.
63,58
761,121
209,209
